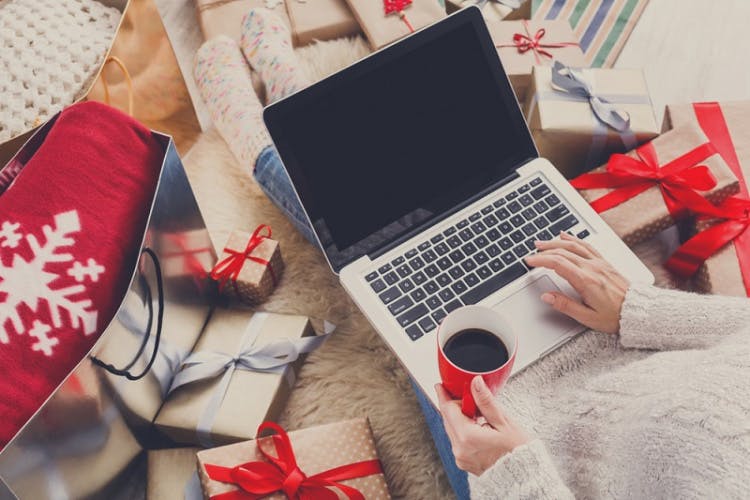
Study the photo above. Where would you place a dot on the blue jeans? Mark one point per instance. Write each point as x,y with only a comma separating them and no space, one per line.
274,181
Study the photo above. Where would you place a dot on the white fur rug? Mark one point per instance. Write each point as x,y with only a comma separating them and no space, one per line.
354,374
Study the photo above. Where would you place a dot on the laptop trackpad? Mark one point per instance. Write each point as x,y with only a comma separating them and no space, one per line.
537,325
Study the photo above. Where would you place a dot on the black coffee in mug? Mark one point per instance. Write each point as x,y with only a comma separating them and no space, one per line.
476,350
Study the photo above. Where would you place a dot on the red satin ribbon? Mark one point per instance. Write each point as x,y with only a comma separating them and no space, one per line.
678,179
693,253
260,479
525,43
192,263
688,258
228,269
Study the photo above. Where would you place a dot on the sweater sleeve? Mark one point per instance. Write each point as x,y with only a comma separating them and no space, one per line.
525,474
655,318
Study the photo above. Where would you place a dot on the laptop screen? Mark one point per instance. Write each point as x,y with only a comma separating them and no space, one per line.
401,138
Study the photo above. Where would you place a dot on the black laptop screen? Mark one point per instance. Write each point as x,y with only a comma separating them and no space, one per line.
401,140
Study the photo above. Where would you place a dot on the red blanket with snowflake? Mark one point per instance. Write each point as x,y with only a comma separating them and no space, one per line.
70,230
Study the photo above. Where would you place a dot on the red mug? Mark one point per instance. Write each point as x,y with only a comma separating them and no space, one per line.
456,380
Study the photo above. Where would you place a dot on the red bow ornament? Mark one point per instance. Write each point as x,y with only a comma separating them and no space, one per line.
397,7
735,215
678,180
526,42
229,268
281,474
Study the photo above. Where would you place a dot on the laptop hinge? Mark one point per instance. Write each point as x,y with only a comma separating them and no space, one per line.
386,247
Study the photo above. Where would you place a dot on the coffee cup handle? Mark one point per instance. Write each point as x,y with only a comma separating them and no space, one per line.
468,406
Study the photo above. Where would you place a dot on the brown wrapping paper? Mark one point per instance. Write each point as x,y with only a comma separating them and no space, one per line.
224,17
320,20
382,30
493,10
251,397
170,473
317,449
646,214
518,65
564,130
256,281
81,472
721,273
76,405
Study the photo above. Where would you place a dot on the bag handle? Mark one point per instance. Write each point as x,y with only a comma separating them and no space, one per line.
125,371
128,81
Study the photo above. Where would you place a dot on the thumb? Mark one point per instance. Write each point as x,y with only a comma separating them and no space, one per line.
486,403
570,307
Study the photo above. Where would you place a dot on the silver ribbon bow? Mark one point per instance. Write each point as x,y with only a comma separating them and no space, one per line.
269,358
574,83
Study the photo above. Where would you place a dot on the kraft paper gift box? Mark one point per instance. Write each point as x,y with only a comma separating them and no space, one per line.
513,39
172,473
221,17
233,392
727,125
495,10
566,129
644,213
140,400
320,20
250,266
82,464
316,450
186,255
382,29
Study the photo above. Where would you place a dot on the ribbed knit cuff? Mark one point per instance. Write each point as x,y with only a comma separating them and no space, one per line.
526,473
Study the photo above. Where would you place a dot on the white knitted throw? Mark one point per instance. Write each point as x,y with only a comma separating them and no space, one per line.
663,411
50,50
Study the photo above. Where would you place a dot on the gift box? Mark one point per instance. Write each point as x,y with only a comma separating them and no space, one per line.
385,21
140,400
579,117
720,259
76,405
495,10
348,447
222,17
240,373
82,464
524,44
320,20
172,473
645,191
250,266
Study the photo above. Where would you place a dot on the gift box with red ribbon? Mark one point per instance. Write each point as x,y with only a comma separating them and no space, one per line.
385,21
328,462
524,44
250,266
646,190
718,254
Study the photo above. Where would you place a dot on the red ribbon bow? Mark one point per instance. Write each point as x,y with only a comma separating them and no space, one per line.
735,213
228,269
525,43
678,179
260,479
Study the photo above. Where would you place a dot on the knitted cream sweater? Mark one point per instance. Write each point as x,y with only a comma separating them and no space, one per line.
663,411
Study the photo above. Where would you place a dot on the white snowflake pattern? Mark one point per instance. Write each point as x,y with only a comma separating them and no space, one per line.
27,282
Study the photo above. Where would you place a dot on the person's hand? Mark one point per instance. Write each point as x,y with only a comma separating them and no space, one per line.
601,287
477,447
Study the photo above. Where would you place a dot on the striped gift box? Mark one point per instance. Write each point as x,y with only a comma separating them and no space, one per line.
602,26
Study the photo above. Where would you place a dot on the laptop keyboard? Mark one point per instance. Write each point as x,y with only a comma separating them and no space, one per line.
471,259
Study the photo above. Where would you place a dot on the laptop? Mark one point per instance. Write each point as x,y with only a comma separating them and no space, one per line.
424,188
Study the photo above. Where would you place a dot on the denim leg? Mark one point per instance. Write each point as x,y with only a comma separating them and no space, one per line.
273,179
456,477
